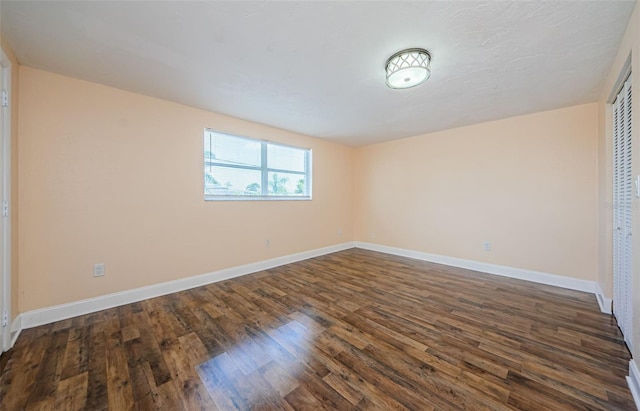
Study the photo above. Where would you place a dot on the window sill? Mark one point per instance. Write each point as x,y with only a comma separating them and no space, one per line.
256,198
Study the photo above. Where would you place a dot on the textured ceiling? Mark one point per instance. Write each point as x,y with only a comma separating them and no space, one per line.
317,68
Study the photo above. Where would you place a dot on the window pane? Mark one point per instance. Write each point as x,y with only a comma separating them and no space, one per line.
228,181
220,148
287,184
237,168
285,158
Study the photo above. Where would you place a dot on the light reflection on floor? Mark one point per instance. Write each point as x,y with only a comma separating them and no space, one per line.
260,366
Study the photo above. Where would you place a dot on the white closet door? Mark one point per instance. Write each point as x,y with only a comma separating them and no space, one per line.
622,207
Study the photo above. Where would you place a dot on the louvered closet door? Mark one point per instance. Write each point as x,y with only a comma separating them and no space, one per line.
622,207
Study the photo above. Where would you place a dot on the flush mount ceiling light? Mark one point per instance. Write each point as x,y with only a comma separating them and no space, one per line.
408,68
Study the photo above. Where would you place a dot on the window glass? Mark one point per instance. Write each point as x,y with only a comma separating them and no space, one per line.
241,168
285,158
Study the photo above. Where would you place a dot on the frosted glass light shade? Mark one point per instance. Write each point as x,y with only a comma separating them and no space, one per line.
408,68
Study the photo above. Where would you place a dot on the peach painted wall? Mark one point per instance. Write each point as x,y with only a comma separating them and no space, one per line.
528,185
108,176
14,177
628,52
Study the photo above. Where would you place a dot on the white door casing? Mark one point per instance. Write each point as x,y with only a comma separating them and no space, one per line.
5,190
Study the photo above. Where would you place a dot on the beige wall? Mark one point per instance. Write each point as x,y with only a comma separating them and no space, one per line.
629,49
108,176
14,177
527,185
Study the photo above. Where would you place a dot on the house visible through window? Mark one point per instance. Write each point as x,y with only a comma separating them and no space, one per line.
241,168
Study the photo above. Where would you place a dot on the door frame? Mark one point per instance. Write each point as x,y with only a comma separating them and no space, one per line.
5,198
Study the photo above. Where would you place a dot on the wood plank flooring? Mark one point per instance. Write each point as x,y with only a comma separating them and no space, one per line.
350,330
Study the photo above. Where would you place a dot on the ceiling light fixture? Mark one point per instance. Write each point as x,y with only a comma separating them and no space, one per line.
408,68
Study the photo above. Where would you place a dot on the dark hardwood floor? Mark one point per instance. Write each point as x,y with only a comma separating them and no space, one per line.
350,330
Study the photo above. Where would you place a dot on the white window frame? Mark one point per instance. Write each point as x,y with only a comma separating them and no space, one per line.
264,170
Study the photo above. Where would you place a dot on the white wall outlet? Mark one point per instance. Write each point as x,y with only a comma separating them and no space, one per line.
339,232
267,243
98,270
372,234
487,246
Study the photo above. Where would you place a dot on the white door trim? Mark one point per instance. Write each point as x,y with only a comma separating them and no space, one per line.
5,196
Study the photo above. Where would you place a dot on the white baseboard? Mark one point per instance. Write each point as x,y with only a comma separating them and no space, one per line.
603,302
48,315
16,328
634,382
534,276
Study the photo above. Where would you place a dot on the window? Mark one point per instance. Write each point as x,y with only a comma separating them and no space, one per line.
241,168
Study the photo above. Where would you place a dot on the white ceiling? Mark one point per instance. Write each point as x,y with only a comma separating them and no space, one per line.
317,68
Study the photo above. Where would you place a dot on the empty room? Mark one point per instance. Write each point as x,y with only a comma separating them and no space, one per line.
305,205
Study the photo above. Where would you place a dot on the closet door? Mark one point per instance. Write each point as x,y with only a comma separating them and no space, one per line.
622,207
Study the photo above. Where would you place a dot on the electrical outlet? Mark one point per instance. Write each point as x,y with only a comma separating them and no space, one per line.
98,270
339,232
487,246
267,243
